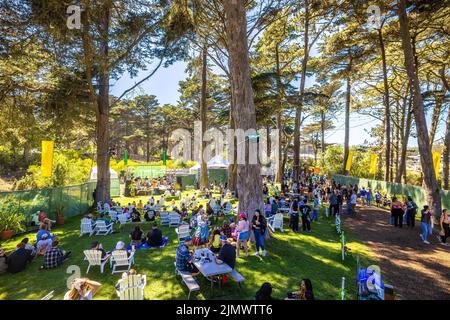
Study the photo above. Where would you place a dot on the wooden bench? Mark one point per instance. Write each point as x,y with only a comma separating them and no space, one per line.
237,277
188,280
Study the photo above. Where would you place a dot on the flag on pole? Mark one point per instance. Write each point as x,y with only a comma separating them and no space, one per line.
373,164
47,158
164,156
349,161
436,162
125,156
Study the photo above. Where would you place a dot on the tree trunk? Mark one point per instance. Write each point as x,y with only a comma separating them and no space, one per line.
204,181
322,131
406,133
103,176
232,167
431,185
387,109
445,175
347,115
436,114
279,176
298,113
248,175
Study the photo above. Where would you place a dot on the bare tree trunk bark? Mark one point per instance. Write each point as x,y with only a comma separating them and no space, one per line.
446,155
248,175
322,131
436,114
279,176
298,113
204,181
387,109
347,116
431,185
406,133
103,175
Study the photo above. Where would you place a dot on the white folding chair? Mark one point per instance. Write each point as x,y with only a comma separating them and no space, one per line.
87,227
119,258
174,219
164,218
123,219
94,257
102,228
276,222
113,215
131,287
183,231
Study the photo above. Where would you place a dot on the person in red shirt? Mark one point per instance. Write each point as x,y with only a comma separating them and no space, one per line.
45,220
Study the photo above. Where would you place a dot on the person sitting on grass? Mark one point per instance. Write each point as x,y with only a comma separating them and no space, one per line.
183,258
136,236
305,292
98,246
227,253
82,289
29,247
155,236
54,257
45,220
135,216
43,230
19,258
264,293
43,245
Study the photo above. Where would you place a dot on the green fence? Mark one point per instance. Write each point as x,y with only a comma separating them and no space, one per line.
417,193
147,171
218,175
71,200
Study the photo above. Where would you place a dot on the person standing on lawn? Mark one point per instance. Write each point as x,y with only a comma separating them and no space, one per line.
425,224
397,212
242,230
315,216
294,213
306,218
411,211
259,226
445,227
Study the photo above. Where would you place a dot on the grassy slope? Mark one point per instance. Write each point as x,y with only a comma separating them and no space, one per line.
290,257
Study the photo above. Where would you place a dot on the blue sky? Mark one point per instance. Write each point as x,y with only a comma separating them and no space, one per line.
164,85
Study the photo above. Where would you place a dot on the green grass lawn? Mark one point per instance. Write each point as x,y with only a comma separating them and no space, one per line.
290,257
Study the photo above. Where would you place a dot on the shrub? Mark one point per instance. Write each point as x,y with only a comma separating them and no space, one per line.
11,215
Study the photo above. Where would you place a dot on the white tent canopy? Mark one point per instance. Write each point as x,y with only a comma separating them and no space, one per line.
93,175
217,162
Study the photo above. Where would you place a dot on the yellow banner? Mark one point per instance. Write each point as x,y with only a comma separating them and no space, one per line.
373,164
348,165
436,162
47,158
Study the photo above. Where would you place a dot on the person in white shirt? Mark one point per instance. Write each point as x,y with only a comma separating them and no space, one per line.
353,200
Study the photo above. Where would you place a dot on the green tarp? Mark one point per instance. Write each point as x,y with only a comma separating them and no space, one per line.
143,171
398,189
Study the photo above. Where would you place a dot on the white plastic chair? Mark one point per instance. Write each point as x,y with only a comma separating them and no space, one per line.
174,219
113,215
123,219
87,227
131,287
164,221
94,257
183,231
119,258
102,228
276,222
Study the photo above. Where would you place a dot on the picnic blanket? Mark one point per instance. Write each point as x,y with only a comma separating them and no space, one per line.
165,240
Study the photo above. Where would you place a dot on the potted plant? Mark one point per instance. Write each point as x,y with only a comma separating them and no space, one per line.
59,213
12,219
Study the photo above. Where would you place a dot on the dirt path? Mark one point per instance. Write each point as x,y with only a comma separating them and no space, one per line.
416,270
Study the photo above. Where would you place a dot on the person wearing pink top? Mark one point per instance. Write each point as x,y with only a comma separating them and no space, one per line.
242,230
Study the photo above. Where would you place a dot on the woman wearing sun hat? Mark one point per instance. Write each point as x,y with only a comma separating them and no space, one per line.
242,233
